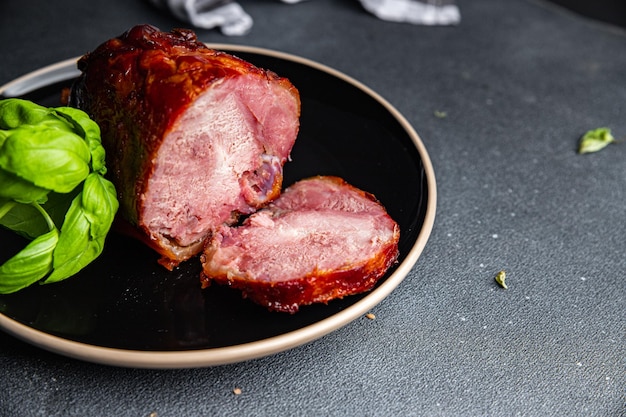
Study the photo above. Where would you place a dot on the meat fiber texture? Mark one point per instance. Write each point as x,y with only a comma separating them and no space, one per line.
194,137
322,239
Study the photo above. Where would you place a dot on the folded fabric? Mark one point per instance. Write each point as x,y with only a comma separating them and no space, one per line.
412,11
233,20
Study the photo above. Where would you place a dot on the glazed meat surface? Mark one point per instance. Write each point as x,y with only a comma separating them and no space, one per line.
194,137
321,239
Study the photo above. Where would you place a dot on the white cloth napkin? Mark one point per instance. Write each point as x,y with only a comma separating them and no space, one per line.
233,20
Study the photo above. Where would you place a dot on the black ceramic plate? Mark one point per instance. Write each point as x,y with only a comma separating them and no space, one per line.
126,310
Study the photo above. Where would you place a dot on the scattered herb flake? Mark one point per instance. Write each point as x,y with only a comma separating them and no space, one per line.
595,140
500,279
440,114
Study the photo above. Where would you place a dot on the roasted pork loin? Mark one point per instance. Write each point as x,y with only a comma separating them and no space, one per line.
194,137
322,239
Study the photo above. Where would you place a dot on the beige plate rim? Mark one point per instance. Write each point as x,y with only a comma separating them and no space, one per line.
220,356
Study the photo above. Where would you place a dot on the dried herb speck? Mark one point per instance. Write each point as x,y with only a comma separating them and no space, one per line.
500,279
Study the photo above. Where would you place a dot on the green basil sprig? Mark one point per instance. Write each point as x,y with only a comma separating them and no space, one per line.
52,191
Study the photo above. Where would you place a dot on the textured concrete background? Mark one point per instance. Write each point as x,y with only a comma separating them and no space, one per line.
519,82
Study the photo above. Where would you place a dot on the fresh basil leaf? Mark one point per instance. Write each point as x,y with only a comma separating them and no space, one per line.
595,140
75,249
67,264
99,200
20,190
52,190
17,112
81,122
3,135
49,158
29,265
6,205
85,228
90,132
58,205
25,220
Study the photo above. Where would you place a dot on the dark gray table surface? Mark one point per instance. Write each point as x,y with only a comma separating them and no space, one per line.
519,82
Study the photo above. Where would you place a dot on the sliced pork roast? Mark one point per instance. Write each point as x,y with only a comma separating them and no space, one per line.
321,239
194,137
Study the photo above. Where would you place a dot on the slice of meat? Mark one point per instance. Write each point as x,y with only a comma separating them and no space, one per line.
194,137
321,239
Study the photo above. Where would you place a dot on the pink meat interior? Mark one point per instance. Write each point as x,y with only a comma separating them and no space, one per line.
222,156
305,231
